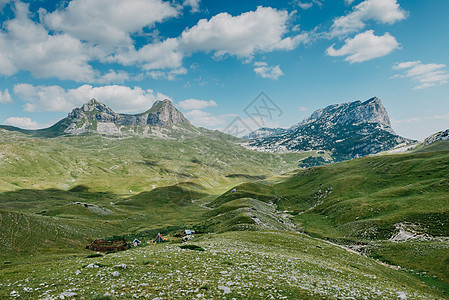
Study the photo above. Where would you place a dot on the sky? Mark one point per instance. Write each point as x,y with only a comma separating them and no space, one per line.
213,59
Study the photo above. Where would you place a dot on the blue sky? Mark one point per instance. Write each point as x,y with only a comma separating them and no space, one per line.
212,58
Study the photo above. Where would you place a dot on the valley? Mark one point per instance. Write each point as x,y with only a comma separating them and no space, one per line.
267,225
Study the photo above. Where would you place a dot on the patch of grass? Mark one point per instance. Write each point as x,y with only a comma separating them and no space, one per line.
100,297
94,255
280,264
192,247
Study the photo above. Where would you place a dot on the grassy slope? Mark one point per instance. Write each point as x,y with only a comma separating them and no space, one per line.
137,164
356,202
360,202
239,265
85,180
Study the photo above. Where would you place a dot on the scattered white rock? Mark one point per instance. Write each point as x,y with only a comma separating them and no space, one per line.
67,294
225,289
121,266
14,294
115,274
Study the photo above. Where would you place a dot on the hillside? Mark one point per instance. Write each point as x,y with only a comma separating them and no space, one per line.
391,207
133,163
59,191
238,265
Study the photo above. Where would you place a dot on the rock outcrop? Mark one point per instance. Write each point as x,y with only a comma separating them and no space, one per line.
94,116
348,130
439,136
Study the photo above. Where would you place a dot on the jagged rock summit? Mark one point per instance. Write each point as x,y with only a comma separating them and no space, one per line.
346,130
354,113
94,116
97,118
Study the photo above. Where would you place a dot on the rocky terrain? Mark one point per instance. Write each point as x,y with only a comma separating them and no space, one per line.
348,130
95,117
439,136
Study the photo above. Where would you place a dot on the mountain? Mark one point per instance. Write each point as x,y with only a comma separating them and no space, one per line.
439,136
348,130
95,117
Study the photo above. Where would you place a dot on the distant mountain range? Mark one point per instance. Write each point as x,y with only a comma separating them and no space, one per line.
348,130
342,131
95,117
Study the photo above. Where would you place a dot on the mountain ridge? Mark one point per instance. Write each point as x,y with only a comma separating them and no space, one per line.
96,117
349,130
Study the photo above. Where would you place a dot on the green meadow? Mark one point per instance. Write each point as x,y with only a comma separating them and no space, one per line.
370,228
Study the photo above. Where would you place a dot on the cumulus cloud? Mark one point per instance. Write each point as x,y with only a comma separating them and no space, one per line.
68,43
55,98
169,75
206,119
198,117
382,11
25,123
26,45
244,35
113,76
194,4
160,55
365,46
5,97
191,104
427,75
108,22
3,3
307,5
263,70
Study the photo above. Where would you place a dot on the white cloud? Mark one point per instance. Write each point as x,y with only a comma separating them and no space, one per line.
243,36
263,70
26,45
349,2
190,104
3,3
307,5
303,108
114,77
365,46
169,75
205,119
25,123
67,42
5,97
382,11
108,22
56,98
160,55
194,4
427,75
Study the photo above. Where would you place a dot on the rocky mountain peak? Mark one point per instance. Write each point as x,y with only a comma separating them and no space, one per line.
164,113
95,116
354,113
347,130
